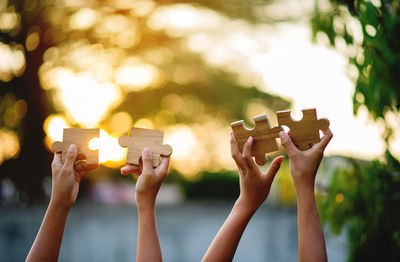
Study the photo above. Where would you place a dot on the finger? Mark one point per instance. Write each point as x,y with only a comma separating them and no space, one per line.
80,157
273,168
89,168
235,152
248,159
57,160
82,168
325,139
129,169
162,169
287,143
147,161
71,156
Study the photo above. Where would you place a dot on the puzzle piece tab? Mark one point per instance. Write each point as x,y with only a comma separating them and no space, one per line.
141,138
306,131
80,137
264,137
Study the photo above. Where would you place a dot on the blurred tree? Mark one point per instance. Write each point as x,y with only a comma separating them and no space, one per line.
371,31
364,198
87,61
27,168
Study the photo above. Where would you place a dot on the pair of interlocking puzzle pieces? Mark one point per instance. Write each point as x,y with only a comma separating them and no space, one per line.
136,142
303,133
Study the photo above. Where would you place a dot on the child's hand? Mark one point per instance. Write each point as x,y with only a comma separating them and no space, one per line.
149,180
304,164
66,178
254,185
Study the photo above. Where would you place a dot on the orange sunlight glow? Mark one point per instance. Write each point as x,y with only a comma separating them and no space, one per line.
111,154
87,100
188,152
195,150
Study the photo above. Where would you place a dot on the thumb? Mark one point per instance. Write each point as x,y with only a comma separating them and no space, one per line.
71,156
287,143
147,160
273,168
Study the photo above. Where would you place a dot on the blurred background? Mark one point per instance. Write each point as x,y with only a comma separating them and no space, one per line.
191,68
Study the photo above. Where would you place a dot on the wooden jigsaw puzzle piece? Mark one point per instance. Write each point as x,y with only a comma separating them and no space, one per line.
141,138
305,132
80,137
264,137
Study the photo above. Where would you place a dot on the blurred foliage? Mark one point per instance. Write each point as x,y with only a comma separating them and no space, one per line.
211,185
364,198
371,31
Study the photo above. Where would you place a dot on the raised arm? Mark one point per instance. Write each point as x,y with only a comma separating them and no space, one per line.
303,167
147,186
65,187
254,189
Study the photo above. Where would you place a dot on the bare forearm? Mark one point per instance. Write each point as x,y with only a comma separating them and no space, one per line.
46,246
148,247
311,237
225,243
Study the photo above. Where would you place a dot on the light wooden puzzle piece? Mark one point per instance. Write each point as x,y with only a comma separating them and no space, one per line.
264,137
80,137
305,132
141,138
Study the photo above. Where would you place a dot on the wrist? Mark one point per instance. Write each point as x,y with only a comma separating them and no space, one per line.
303,182
144,203
245,206
59,203
59,206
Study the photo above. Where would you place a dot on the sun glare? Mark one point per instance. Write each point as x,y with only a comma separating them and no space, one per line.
187,151
87,100
111,154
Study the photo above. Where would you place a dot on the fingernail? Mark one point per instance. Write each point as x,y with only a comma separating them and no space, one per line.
280,160
123,170
147,152
250,139
282,135
72,148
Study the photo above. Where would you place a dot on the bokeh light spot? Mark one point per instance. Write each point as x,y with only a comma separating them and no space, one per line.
32,41
83,19
9,144
121,122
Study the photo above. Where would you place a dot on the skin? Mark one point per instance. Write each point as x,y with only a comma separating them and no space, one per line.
303,168
254,189
65,187
147,187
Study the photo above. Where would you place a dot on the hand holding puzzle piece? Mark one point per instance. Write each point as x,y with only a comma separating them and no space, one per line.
141,138
80,137
304,133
